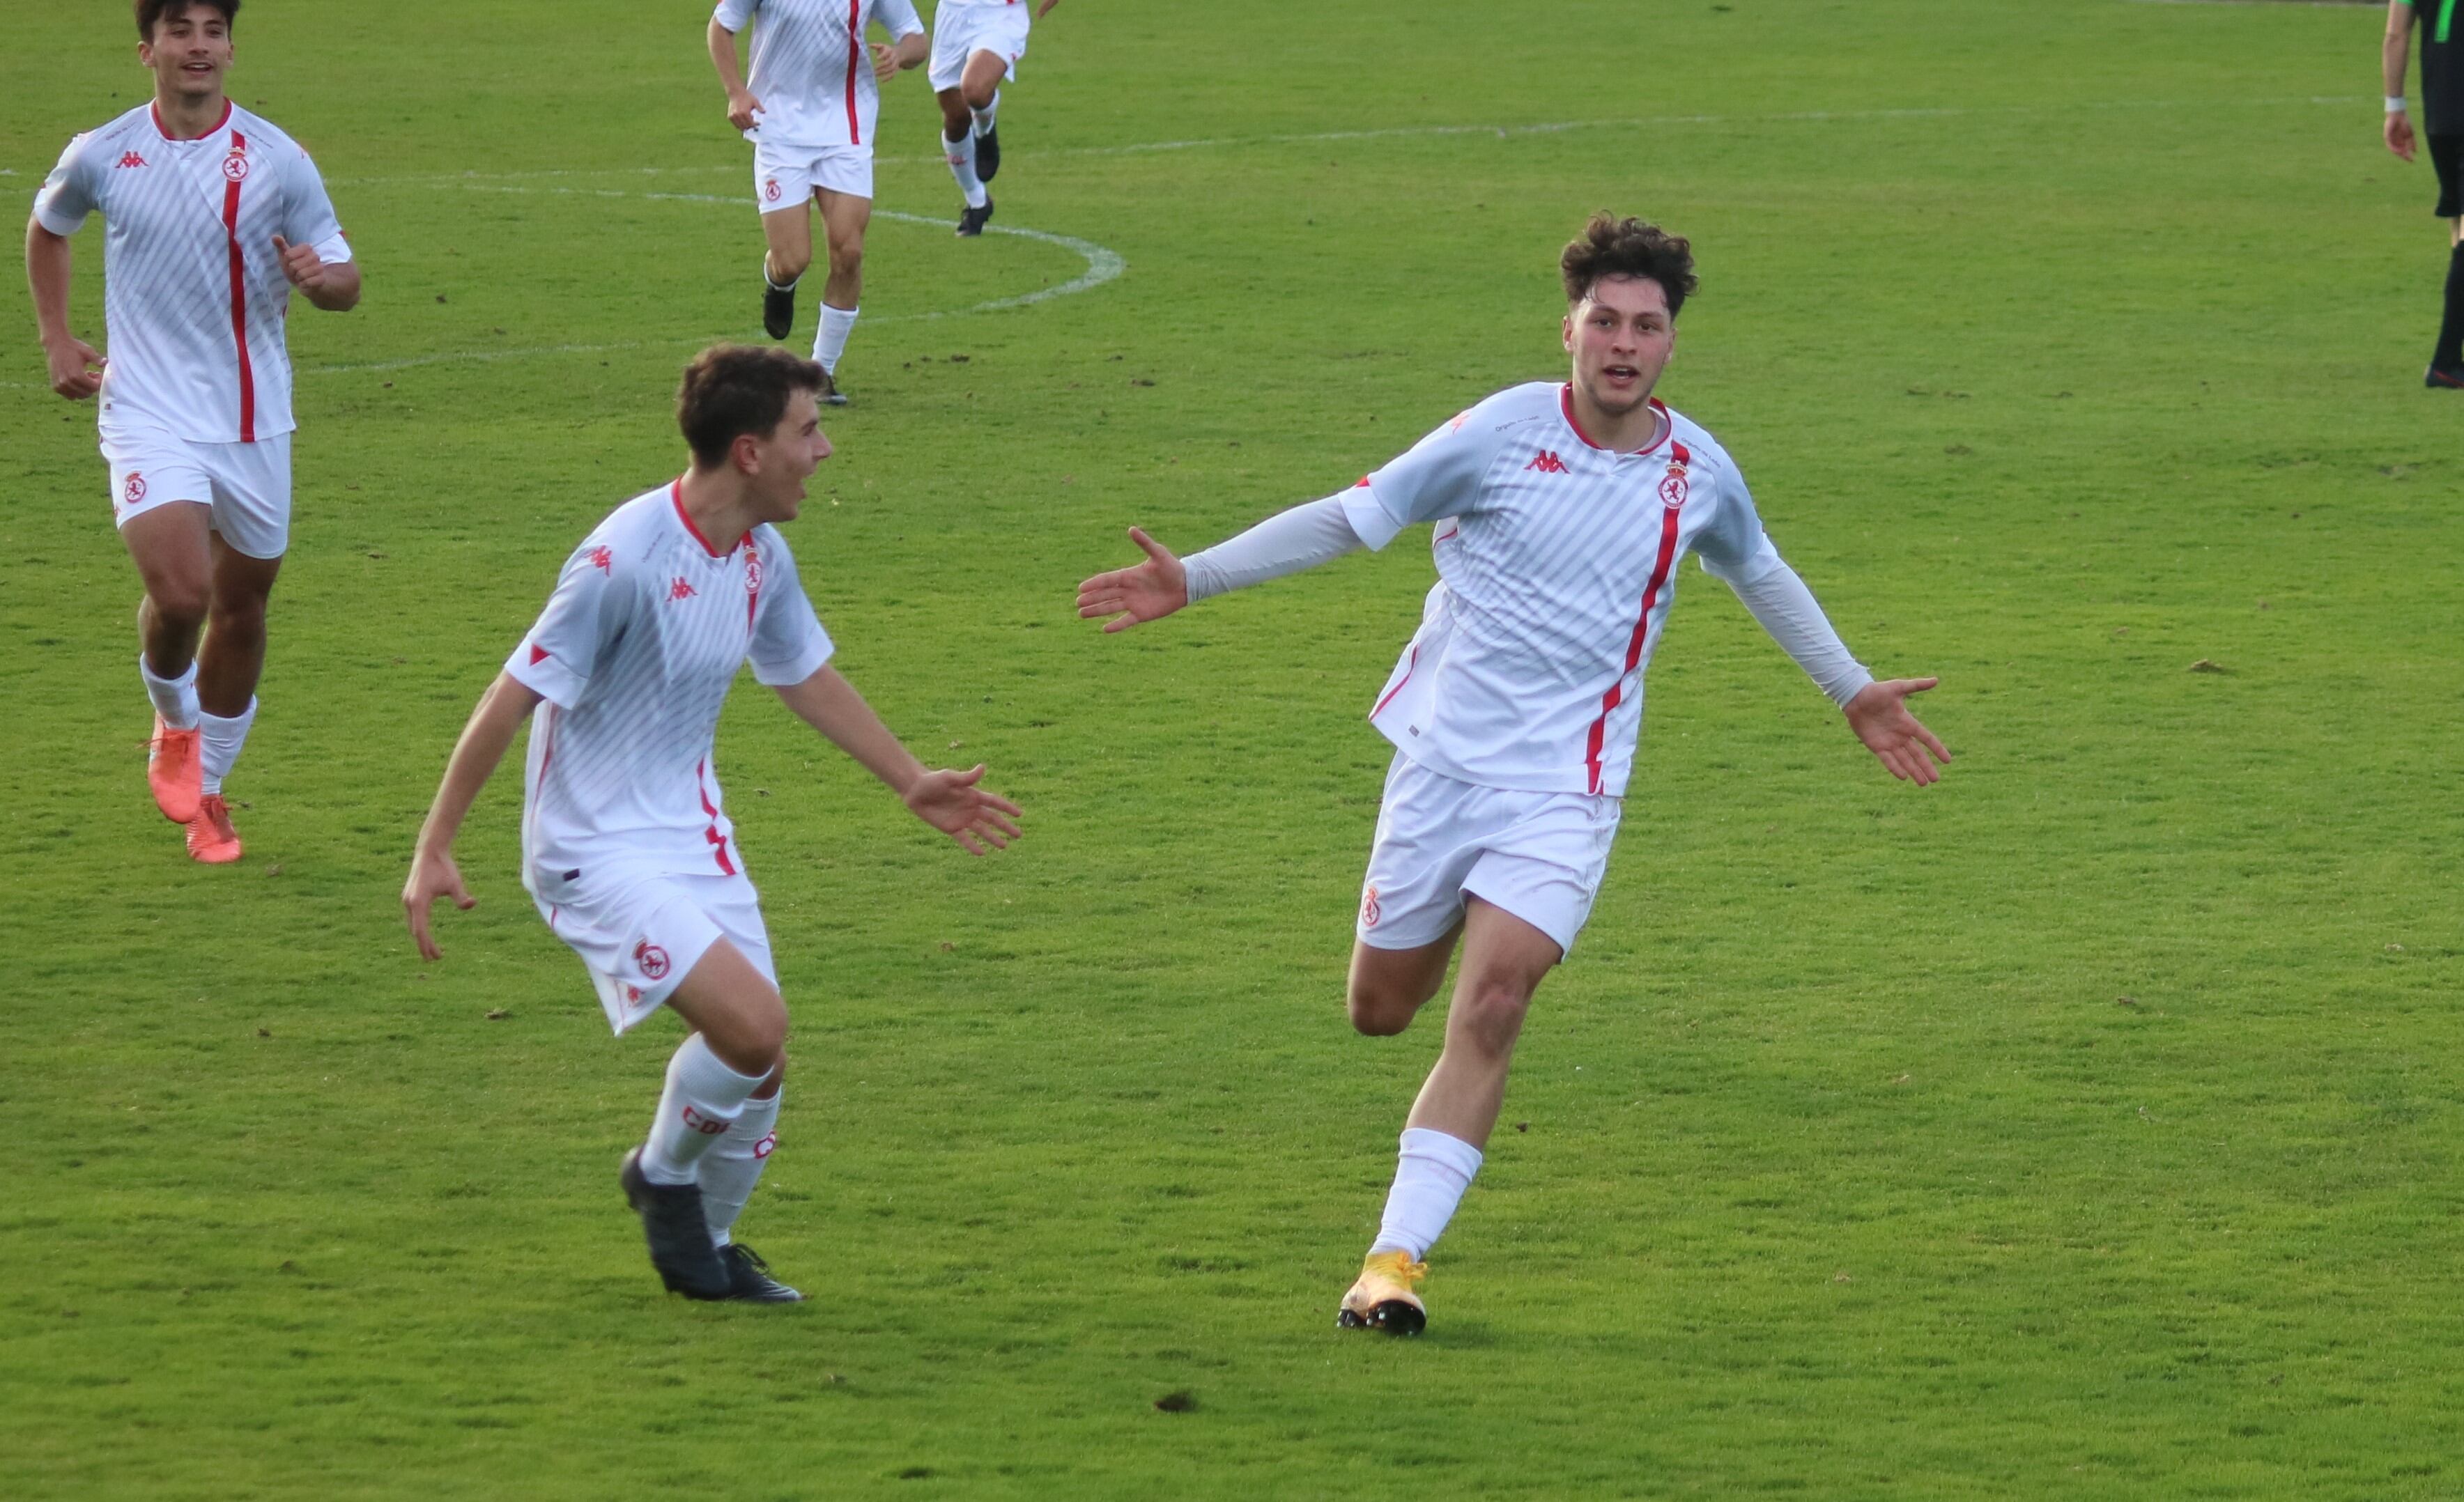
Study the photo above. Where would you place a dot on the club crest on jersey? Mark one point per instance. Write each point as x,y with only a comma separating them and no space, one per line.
235,166
752,572
129,158
680,589
602,561
134,489
651,960
770,190
1369,913
1672,487
1548,463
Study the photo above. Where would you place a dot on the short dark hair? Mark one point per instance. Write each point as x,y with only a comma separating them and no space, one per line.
149,13
731,390
1613,246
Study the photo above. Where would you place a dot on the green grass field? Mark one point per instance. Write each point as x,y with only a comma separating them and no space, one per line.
2085,1126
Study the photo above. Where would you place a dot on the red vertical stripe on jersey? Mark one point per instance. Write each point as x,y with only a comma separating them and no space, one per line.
718,840
1609,700
240,297
1409,668
855,52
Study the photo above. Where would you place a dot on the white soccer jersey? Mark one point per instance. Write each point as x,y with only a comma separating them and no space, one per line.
1556,563
634,654
980,5
193,293
810,67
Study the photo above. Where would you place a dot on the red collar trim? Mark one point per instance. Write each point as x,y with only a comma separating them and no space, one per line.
676,493
165,131
1566,404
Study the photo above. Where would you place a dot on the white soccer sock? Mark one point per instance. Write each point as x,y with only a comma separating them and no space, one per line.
175,699
219,746
702,1099
960,153
984,116
829,343
1430,1177
734,1165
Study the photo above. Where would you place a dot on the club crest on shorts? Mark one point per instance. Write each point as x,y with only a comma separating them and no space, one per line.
134,491
235,168
770,190
1672,487
651,960
1369,907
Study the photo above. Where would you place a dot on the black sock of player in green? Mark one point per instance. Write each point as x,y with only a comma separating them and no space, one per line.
2449,353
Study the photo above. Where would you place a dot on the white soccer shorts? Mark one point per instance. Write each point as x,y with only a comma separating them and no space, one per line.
960,32
1539,856
641,933
246,486
783,177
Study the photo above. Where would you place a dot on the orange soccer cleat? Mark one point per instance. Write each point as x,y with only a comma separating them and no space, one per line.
211,840
175,769
1382,1297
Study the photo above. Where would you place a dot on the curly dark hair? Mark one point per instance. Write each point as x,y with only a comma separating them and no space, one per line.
149,13
1613,246
731,390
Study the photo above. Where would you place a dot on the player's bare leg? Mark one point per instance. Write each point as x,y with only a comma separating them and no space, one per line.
1388,986
980,87
738,1048
844,218
174,559
788,249
229,664
1504,959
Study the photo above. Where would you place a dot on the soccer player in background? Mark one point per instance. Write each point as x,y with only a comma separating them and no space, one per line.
213,218
810,109
2442,109
975,45
627,847
1561,512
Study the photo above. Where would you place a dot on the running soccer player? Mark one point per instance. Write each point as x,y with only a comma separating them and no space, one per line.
212,217
808,110
2442,109
975,45
627,847
1561,512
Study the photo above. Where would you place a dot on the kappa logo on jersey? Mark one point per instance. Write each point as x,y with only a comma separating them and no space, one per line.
1548,463
134,489
1369,908
652,960
1672,487
770,190
602,560
680,589
128,158
235,168
1461,417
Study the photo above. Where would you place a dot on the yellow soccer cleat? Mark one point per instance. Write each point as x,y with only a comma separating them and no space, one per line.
1383,1298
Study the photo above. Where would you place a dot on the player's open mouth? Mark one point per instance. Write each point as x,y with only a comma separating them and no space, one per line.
1621,372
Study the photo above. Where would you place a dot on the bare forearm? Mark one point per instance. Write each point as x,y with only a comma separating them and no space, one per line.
830,705
2396,54
47,267
501,711
912,49
337,290
723,58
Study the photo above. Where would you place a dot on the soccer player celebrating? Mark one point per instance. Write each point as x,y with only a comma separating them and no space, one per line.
2442,108
627,847
1561,512
213,218
975,45
808,110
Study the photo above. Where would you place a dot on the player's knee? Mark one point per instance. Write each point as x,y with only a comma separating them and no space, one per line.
768,1089
980,95
847,258
1491,1013
1379,1011
178,602
238,617
957,118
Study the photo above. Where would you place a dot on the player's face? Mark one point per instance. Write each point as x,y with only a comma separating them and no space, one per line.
1621,337
788,457
190,53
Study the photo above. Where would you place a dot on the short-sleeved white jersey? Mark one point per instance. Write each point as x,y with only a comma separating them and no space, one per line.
1556,563
634,654
193,296
810,67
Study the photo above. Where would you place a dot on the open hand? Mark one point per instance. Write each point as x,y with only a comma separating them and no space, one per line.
433,875
975,816
1144,591
1879,716
76,368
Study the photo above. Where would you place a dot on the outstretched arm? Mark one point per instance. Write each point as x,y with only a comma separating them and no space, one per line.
502,708
1284,543
1876,711
950,801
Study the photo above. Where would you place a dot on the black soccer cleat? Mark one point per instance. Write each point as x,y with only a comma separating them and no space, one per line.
677,1235
1394,1318
2438,379
972,221
777,309
987,154
749,1278
831,395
